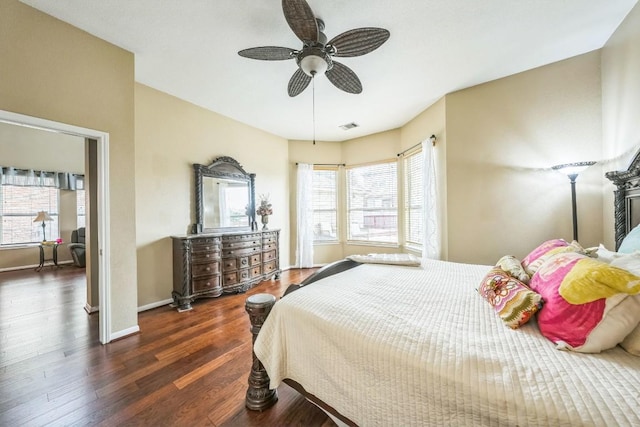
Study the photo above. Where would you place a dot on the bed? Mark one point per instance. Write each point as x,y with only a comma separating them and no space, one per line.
374,344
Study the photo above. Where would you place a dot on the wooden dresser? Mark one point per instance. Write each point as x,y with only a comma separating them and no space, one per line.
211,264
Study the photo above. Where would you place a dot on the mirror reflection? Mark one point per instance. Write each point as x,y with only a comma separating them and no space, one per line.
226,202
224,196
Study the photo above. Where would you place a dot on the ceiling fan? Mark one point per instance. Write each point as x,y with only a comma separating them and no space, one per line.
316,54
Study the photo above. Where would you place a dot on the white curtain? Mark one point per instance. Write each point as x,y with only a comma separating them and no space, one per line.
431,217
304,197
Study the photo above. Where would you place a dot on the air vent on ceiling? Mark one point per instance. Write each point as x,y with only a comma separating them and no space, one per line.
349,126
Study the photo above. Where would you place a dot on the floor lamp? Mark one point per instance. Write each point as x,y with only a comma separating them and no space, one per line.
572,170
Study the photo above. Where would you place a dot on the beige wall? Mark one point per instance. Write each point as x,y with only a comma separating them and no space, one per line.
502,139
54,71
620,106
172,135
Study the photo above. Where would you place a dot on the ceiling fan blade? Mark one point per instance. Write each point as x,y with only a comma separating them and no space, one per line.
300,18
299,82
344,78
359,41
268,53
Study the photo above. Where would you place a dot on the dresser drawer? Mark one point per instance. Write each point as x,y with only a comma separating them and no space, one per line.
256,259
240,238
204,257
229,278
207,284
255,271
269,255
269,238
205,269
269,246
230,264
228,253
242,244
205,245
268,267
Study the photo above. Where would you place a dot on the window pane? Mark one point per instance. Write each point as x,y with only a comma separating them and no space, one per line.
325,205
20,206
372,203
413,196
80,206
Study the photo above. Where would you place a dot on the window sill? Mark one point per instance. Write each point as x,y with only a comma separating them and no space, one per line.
18,246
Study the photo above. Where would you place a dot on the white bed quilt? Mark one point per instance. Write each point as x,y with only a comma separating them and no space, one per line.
405,346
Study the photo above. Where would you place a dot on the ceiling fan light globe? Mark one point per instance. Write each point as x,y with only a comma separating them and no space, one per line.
312,65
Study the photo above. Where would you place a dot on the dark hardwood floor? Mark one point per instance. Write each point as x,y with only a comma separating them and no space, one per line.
182,369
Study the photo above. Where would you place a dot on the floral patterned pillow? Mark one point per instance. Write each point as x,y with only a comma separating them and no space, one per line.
514,301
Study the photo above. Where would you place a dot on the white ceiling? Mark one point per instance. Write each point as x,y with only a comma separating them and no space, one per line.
188,48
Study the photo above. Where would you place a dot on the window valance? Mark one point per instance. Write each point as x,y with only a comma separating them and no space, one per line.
34,178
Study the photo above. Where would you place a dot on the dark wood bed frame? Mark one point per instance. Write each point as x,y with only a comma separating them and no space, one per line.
626,198
260,397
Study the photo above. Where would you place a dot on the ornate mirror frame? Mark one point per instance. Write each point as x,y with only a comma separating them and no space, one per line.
223,168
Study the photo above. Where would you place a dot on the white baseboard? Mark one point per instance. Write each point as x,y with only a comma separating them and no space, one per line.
154,305
32,267
90,309
124,333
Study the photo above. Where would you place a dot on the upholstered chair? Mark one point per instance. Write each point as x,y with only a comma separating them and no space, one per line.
77,247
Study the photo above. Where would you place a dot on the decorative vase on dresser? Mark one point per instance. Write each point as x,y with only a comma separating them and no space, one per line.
212,264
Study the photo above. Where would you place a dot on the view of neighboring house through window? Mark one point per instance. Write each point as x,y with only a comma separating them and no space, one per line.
413,198
20,206
372,203
325,205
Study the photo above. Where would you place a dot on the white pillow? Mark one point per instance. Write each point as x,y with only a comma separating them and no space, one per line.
632,342
605,255
631,263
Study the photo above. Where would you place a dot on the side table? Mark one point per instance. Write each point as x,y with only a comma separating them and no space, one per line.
54,254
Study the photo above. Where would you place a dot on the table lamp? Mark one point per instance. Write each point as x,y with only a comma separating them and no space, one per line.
43,216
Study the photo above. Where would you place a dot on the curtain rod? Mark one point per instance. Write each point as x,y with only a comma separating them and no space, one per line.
432,138
326,164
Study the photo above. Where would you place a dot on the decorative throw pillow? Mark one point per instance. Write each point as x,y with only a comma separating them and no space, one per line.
631,242
514,302
512,265
588,307
631,263
539,255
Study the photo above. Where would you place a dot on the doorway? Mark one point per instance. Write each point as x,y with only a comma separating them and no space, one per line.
98,142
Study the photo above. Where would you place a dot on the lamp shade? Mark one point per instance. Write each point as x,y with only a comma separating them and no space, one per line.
43,216
572,168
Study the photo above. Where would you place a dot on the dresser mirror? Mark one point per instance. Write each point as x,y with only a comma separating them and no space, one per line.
225,197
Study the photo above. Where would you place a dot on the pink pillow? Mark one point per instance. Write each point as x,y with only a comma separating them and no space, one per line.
587,303
539,255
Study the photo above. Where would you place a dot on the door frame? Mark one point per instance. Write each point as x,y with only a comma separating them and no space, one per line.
103,197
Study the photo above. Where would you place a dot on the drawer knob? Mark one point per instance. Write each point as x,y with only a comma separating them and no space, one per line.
208,268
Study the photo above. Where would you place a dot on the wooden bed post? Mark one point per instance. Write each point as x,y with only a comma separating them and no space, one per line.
259,396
